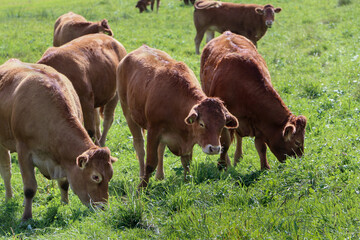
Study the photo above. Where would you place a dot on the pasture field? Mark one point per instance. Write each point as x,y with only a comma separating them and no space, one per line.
312,53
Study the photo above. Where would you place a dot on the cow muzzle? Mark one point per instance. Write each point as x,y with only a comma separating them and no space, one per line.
269,23
212,150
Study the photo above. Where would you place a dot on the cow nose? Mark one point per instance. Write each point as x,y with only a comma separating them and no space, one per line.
268,23
210,149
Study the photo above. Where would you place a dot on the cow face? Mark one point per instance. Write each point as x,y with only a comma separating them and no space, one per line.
141,4
90,178
268,13
208,118
291,140
105,28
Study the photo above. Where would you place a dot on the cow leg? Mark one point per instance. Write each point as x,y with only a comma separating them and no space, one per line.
160,167
186,2
238,151
186,161
28,176
152,5
97,123
261,149
152,146
198,38
209,35
109,110
64,189
157,5
5,171
225,140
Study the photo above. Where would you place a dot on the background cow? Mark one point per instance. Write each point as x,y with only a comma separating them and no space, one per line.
249,20
41,120
163,96
90,63
142,5
233,70
70,26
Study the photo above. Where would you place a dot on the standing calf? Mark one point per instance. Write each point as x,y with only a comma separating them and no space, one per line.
163,96
248,20
233,70
142,5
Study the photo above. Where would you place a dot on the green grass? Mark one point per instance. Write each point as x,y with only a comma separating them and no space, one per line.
312,53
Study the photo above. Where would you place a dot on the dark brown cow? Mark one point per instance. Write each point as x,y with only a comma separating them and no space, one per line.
90,63
142,5
249,20
71,25
41,120
163,96
233,70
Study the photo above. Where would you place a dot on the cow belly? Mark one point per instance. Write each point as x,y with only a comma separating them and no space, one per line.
48,167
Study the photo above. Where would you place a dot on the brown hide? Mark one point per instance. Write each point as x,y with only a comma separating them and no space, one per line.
41,120
233,70
163,96
142,5
90,64
71,25
249,20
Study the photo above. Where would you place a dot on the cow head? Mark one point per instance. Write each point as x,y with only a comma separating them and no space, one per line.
141,4
105,28
90,177
268,13
207,119
290,142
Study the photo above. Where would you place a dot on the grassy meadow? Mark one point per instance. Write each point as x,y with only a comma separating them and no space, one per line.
312,52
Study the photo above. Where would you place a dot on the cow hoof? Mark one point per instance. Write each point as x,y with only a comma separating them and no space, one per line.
221,166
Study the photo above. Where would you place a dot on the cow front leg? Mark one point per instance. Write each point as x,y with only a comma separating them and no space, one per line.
160,167
225,140
109,110
97,122
87,105
28,176
5,171
64,189
238,152
261,149
186,161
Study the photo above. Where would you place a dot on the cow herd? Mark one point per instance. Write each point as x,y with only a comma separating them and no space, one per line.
50,111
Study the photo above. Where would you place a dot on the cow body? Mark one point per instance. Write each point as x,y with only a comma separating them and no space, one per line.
71,25
163,96
249,20
233,70
90,64
41,120
142,5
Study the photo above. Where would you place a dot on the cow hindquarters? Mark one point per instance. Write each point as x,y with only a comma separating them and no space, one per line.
5,171
109,110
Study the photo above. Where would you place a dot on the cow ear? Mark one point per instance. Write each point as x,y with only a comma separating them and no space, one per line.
191,118
288,132
231,121
104,23
113,159
277,10
81,161
259,11
301,122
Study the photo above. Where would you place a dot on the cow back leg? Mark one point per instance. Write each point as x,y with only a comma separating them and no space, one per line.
238,151
186,161
261,149
198,38
152,145
5,171
225,140
157,5
160,167
152,5
109,110
28,176
209,35
97,122
64,190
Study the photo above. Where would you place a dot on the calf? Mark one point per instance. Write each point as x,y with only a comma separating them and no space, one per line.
90,64
233,70
163,96
41,120
249,20
71,25
142,5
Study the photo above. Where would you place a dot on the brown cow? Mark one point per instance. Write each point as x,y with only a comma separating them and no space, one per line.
90,63
233,70
142,5
249,20
41,120
163,96
71,25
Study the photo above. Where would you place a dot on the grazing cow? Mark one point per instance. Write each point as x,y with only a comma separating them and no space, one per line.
163,96
249,20
233,70
41,120
142,5
90,63
71,25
